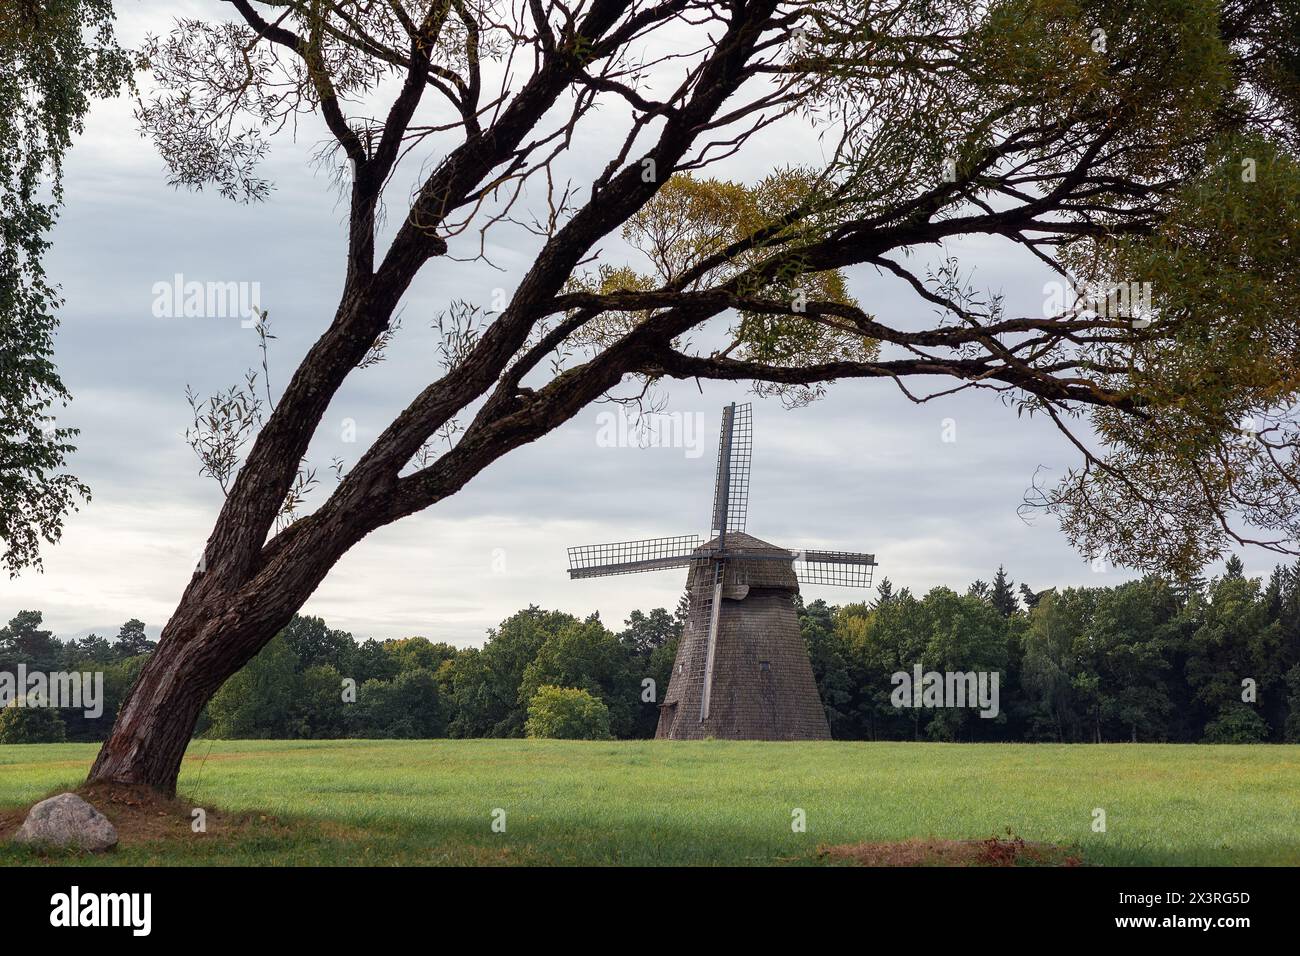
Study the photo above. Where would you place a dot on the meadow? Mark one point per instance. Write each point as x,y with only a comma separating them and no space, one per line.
707,802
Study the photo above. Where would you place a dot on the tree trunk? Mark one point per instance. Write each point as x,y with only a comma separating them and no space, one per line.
214,632
157,718
154,726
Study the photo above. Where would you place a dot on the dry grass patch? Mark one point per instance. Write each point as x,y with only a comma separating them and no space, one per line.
144,816
995,851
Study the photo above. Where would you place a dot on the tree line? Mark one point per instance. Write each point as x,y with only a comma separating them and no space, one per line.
24,642
1147,660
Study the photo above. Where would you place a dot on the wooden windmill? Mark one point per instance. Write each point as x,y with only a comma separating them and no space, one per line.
742,669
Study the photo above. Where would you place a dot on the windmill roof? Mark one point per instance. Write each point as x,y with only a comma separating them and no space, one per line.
739,541
745,571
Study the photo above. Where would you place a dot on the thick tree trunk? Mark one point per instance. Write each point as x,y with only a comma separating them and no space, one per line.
154,725
214,632
196,655
230,611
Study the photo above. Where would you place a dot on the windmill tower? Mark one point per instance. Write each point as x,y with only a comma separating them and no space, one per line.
742,669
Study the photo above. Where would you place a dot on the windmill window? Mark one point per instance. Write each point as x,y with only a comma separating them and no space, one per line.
764,665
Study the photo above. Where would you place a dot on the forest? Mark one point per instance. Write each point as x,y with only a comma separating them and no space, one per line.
1147,660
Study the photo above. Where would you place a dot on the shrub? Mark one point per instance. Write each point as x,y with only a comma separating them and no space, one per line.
1236,725
567,713
30,725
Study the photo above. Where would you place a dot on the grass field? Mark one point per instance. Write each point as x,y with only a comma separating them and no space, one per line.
647,802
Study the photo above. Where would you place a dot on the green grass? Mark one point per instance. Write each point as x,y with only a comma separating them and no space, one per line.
650,802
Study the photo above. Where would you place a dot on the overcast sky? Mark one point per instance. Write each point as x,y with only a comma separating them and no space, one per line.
864,469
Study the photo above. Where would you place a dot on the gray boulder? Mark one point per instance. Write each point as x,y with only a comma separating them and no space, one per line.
67,821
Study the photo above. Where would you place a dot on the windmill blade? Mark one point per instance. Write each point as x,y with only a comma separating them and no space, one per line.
844,568
629,557
713,601
731,486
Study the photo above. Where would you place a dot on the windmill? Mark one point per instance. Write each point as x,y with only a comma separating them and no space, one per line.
742,669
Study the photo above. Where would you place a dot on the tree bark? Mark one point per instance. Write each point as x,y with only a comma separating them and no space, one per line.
223,619
202,646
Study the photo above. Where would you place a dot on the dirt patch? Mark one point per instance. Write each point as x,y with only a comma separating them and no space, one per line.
142,815
995,851
10,822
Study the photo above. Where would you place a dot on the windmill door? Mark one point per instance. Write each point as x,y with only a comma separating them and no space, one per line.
667,718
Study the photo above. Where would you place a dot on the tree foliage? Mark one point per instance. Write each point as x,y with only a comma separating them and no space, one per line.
587,656
259,700
24,641
1105,137
55,57
567,713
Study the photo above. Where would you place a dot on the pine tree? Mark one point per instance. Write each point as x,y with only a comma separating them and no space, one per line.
1189,587
682,614
1031,597
886,591
1233,568
1004,598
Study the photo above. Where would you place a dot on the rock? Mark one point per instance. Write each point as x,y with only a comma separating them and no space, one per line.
67,821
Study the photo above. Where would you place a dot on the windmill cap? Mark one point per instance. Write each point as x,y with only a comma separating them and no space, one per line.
739,541
757,571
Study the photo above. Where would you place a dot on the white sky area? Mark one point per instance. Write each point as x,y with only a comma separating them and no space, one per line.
864,469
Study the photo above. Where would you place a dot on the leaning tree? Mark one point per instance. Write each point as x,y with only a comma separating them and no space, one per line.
1116,142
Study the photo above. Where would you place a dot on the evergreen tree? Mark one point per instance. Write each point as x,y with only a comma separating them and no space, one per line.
1003,597
830,659
682,614
1030,597
24,641
318,645
90,649
1190,587
132,640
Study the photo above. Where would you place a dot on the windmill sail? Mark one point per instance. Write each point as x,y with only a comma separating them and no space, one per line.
845,568
711,595
628,557
731,486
